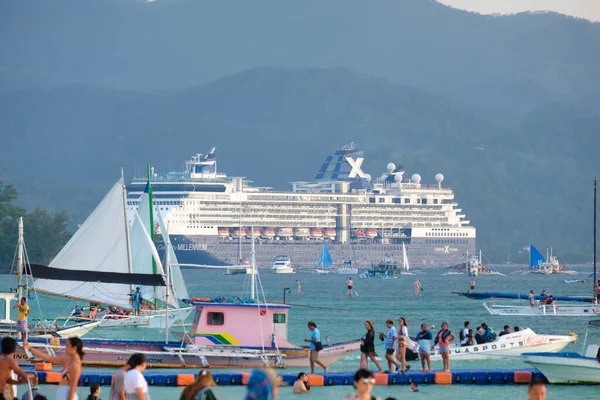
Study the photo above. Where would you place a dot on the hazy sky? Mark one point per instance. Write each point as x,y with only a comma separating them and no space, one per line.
589,9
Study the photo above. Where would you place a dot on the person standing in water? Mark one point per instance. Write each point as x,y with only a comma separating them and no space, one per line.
418,287
472,284
350,287
297,286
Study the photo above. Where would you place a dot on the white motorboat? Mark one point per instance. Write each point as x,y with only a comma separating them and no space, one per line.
510,345
283,265
545,310
240,270
572,368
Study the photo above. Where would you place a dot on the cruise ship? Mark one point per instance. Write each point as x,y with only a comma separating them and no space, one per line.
212,217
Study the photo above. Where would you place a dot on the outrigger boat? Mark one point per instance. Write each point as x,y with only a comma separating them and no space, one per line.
510,345
226,332
8,327
106,260
570,368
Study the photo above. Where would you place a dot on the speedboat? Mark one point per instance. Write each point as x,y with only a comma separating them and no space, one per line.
572,368
283,265
510,345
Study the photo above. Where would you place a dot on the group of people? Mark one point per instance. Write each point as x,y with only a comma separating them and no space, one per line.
545,299
483,334
398,341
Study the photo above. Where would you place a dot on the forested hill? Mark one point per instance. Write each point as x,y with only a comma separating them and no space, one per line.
64,146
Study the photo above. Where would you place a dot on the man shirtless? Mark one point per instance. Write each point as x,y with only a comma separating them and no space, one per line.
8,365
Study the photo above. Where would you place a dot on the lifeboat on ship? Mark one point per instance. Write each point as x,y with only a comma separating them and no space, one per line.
359,233
285,232
223,232
371,233
256,232
268,233
302,232
237,232
330,233
316,233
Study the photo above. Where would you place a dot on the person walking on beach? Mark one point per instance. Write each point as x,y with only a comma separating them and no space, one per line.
367,348
136,387
67,388
297,286
350,287
443,338
424,338
418,287
200,389
315,347
22,318
390,341
8,365
402,344
363,383
117,383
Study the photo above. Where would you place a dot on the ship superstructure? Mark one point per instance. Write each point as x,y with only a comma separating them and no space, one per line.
210,215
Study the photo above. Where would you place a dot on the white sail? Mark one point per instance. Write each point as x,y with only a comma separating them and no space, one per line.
176,276
143,252
100,244
405,258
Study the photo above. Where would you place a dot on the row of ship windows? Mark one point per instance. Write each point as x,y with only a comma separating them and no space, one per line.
447,241
451,234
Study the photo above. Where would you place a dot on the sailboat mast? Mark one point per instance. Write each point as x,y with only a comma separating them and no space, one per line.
20,261
253,280
127,244
151,205
168,289
595,233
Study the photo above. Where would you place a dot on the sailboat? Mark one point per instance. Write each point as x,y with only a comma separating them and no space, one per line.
8,326
105,261
324,261
538,264
553,309
405,263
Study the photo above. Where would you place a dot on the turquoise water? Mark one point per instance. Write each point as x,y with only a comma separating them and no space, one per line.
379,300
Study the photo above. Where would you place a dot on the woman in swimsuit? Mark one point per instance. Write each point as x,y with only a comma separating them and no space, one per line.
367,348
443,338
67,388
402,343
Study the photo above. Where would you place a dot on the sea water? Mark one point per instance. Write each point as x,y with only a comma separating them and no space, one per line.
343,319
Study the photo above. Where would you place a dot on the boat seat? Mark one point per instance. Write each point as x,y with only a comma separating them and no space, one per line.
592,350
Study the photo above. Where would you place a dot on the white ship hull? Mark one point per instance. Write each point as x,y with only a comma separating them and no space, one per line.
284,270
322,272
566,368
548,310
511,345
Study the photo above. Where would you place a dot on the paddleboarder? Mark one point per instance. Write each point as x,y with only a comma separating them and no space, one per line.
472,284
297,286
350,287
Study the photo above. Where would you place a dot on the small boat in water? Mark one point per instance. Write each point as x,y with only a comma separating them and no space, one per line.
569,368
510,345
283,265
405,263
386,269
553,310
324,261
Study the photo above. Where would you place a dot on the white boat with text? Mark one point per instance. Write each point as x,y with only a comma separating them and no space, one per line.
510,345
